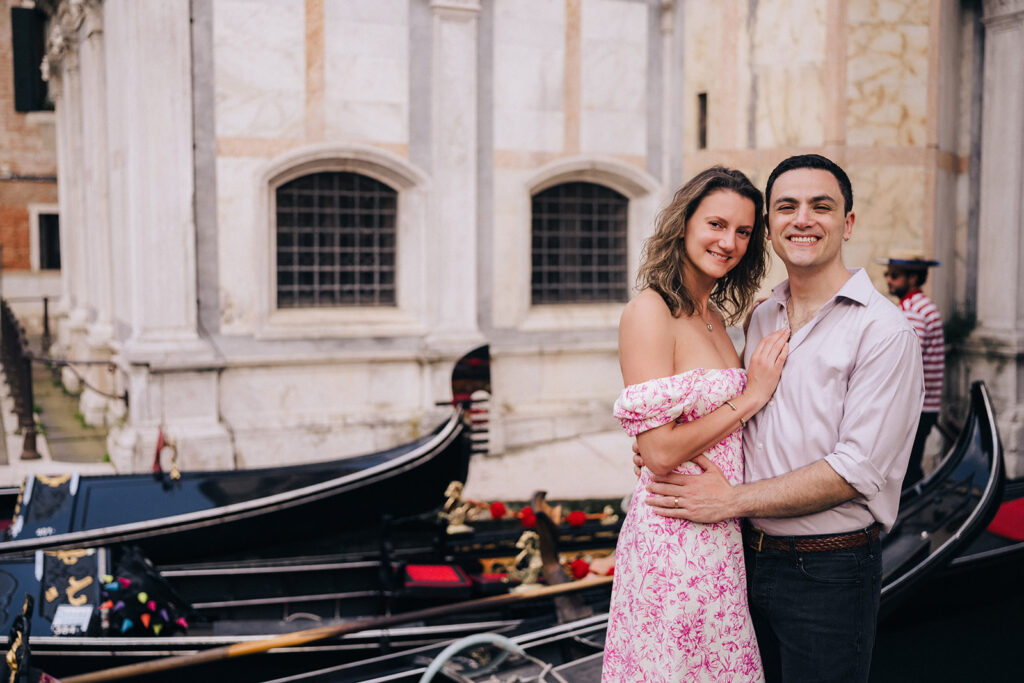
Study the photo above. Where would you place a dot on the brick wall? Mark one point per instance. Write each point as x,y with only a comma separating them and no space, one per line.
27,149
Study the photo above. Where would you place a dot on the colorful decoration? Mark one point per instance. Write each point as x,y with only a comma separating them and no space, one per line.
579,568
577,518
137,601
498,510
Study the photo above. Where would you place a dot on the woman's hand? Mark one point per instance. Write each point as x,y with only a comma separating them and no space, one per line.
766,366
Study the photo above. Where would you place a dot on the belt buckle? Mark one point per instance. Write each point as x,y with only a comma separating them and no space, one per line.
760,539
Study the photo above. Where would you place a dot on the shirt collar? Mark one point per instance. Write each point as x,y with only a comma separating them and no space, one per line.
909,294
857,289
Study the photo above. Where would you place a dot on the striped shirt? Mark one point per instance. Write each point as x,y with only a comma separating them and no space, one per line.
922,314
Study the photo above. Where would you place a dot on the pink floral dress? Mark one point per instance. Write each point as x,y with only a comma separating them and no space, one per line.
679,601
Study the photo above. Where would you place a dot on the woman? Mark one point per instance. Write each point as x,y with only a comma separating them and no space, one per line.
679,605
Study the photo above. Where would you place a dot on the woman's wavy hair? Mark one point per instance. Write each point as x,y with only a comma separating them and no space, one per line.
664,256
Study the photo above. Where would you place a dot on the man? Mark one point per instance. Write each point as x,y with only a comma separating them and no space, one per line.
904,276
826,456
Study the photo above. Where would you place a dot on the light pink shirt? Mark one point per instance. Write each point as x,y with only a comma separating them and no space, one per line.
851,393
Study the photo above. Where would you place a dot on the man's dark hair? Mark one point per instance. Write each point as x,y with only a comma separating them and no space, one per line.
920,273
812,161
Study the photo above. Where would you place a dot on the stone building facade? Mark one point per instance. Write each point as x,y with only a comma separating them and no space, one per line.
286,219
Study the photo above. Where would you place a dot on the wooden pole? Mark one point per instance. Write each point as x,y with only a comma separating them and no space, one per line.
323,632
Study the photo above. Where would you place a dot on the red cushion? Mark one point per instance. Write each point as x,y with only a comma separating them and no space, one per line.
435,575
1009,521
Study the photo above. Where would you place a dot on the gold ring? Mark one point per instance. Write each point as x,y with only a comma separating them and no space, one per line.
676,504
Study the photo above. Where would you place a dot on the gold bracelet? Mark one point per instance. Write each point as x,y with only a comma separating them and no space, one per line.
743,423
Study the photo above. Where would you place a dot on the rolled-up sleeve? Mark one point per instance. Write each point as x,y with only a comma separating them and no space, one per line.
880,416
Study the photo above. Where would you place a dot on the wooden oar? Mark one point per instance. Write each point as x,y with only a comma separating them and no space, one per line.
322,632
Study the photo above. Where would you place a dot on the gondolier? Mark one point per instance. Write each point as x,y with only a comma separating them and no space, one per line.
905,274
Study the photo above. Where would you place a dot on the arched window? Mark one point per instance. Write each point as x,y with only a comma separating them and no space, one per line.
578,245
336,241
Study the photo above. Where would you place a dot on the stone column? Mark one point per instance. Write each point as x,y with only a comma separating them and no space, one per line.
99,334
63,53
452,248
172,373
995,350
52,71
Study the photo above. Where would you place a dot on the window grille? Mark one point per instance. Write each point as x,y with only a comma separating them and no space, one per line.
579,245
335,241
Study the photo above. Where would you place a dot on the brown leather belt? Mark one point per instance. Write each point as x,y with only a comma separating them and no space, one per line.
755,539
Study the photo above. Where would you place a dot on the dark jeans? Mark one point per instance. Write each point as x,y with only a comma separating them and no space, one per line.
815,613
924,428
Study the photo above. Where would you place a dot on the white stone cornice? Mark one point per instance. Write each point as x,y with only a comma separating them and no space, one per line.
1002,14
456,9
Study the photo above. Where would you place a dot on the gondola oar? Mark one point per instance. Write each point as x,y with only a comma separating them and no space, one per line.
323,632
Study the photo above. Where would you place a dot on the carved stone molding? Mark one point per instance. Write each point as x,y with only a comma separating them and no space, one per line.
668,10
66,18
92,20
456,9
1002,13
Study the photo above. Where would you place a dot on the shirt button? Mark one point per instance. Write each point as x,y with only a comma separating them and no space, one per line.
760,446
771,402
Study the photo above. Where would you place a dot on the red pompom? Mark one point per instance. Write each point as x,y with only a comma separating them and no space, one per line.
498,510
579,568
576,518
528,518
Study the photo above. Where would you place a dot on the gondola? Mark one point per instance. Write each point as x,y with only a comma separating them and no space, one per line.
242,601
549,653
941,518
934,530
179,516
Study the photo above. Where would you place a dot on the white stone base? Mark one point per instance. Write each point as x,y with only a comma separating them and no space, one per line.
199,447
93,407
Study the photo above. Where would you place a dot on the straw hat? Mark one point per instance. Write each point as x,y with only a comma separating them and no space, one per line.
907,259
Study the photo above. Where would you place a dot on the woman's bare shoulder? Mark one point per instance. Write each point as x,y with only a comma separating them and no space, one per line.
647,306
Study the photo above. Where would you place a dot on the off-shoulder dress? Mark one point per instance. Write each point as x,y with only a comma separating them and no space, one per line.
679,600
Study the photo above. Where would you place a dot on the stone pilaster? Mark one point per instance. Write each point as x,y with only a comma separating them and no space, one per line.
452,249
64,63
170,370
97,247
995,350
52,72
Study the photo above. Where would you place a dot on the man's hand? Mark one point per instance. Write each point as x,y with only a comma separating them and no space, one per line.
706,497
